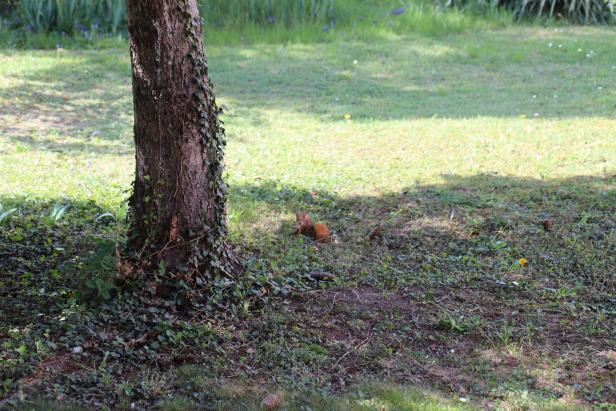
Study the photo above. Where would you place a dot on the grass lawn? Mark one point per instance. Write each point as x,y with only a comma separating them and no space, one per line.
483,164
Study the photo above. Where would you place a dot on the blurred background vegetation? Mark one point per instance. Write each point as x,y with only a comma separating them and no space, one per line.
311,18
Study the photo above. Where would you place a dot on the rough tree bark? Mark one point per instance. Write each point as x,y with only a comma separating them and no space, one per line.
178,218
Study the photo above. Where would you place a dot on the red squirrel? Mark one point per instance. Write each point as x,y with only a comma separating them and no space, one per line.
305,226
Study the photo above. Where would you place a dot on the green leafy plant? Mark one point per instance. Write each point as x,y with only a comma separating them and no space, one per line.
459,324
6,214
99,268
57,212
99,286
118,216
505,334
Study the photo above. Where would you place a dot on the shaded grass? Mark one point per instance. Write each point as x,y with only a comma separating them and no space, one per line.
442,153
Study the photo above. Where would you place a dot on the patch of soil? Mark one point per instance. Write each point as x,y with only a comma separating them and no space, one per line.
402,337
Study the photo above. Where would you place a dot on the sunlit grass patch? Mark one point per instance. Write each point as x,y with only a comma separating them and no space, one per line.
360,398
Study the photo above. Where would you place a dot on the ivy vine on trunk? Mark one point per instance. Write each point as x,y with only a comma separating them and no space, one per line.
178,219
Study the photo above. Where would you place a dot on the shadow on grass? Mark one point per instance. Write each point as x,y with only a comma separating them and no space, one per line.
443,276
565,226
464,228
481,285
79,104
87,96
37,253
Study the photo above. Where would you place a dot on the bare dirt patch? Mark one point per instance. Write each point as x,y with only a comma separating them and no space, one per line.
409,339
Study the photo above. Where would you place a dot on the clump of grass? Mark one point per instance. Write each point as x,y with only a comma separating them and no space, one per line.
110,15
71,15
577,11
354,20
255,21
222,13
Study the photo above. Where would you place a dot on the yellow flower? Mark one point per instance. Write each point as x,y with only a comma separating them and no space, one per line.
522,261
347,116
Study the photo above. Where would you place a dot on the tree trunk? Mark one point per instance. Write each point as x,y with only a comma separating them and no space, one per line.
178,219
